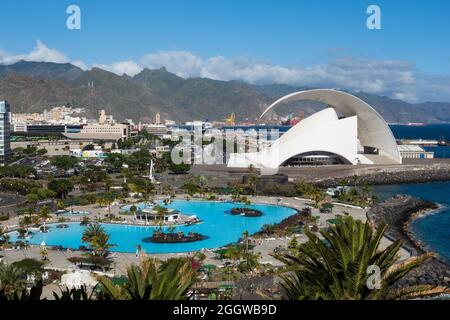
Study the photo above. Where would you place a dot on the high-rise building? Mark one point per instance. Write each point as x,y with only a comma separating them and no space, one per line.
157,118
102,117
5,132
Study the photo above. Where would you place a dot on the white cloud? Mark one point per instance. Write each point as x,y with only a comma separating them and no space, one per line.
128,67
390,77
183,63
394,78
80,64
40,53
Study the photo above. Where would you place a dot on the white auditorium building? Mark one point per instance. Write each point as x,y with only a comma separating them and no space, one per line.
348,131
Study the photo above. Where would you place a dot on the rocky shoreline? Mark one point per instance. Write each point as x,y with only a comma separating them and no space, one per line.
398,212
417,175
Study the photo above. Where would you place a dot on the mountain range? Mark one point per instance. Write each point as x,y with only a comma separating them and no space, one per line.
35,86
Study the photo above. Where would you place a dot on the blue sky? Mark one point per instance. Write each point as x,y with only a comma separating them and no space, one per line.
298,42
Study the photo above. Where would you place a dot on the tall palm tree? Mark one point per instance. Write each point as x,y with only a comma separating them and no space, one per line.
4,237
133,210
318,196
170,280
253,179
106,201
5,240
12,279
161,212
91,232
26,221
234,253
97,238
44,214
336,267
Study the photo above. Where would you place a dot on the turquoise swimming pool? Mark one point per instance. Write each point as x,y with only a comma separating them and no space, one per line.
218,224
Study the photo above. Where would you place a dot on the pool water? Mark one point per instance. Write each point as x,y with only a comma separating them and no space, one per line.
217,223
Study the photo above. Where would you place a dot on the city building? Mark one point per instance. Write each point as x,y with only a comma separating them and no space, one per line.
105,131
156,129
79,153
152,215
169,122
414,152
103,118
58,116
126,152
44,129
5,134
157,118
348,131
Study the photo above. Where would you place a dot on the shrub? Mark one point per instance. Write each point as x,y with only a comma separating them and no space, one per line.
29,265
276,189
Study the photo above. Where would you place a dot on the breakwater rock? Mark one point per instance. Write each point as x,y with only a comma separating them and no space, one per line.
397,213
397,175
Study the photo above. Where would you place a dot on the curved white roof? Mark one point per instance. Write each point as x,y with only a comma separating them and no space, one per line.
321,132
373,131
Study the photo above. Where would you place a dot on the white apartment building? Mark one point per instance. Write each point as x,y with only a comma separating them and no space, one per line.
122,130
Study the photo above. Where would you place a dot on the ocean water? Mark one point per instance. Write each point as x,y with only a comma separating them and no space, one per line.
432,229
218,224
431,131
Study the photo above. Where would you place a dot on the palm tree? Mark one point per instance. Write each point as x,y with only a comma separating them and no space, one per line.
234,253
246,235
133,210
355,180
44,214
146,188
106,201
251,262
85,221
253,179
26,221
5,240
12,279
4,236
97,238
91,232
336,267
170,280
60,205
343,183
367,191
161,212
24,294
318,196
